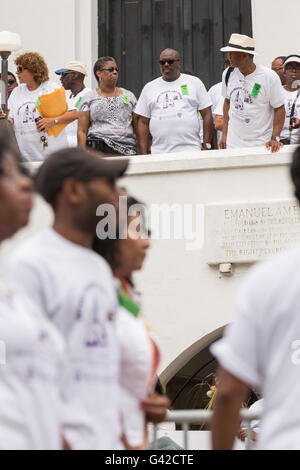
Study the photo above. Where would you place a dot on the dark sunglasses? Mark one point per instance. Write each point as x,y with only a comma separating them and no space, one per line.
20,69
11,82
292,67
170,61
111,69
65,73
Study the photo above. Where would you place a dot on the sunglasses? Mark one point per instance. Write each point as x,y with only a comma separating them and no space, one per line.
111,69
170,61
20,69
65,73
11,82
292,67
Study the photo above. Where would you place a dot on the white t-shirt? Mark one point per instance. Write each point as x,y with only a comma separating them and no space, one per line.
252,102
22,104
30,366
75,287
290,97
173,111
261,347
74,103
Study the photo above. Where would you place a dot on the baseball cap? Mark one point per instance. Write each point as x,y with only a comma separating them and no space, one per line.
73,66
76,163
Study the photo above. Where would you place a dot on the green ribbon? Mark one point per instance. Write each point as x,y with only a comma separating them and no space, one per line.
128,304
184,89
78,103
38,102
126,99
256,90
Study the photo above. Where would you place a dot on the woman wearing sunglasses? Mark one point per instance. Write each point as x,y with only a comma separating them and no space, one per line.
31,350
34,143
106,121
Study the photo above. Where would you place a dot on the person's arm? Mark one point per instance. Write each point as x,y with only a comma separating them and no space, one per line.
143,134
226,417
135,119
155,407
219,123
223,141
83,127
65,118
207,125
279,118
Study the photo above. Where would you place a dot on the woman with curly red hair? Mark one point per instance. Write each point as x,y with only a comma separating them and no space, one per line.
34,81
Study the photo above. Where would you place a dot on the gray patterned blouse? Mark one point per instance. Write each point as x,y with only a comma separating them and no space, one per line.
111,120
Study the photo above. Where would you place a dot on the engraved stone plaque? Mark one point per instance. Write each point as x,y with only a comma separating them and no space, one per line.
245,233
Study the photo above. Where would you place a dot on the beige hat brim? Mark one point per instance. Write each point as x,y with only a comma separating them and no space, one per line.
233,49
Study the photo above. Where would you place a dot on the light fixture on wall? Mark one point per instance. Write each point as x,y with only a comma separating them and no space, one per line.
9,42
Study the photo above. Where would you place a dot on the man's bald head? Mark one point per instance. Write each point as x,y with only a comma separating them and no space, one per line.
170,64
172,52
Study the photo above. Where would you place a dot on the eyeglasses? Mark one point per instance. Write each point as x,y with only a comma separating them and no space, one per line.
20,69
65,73
11,82
292,67
111,69
170,61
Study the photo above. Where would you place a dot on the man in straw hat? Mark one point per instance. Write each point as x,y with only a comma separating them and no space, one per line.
254,110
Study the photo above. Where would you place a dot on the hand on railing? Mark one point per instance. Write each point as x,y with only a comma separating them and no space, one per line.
155,407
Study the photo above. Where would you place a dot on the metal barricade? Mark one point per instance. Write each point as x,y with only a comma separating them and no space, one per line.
188,417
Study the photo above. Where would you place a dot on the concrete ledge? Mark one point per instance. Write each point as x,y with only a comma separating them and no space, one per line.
201,161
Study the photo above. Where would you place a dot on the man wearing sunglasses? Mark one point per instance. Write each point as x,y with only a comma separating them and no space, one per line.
169,110
11,83
72,79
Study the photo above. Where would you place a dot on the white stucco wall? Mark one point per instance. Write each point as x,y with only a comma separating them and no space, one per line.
275,28
184,298
60,30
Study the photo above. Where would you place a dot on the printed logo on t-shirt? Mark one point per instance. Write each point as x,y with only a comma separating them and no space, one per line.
238,97
168,99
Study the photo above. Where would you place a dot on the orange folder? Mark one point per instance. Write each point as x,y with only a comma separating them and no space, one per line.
53,105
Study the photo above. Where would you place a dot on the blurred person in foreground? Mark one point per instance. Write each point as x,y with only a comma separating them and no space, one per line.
261,350
139,351
31,349
74,286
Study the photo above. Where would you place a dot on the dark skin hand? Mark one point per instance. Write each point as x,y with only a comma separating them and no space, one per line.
155,407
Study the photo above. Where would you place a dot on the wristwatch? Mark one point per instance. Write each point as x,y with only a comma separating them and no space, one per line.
56,121
275,138
208,146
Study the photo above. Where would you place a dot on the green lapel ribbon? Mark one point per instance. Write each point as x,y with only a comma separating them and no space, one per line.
126,99
128,304
256,90
184,89
38,102
78,103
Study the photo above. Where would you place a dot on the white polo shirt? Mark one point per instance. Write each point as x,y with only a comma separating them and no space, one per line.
261,347
252,102
75,287
173,111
